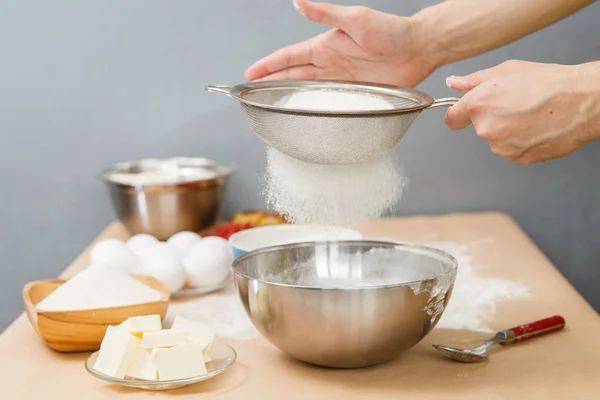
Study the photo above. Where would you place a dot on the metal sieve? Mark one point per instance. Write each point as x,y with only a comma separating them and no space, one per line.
324,136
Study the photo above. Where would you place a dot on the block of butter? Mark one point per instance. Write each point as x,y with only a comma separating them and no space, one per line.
164,338
145,323
143,365
139,349
197,331
179,362
116,352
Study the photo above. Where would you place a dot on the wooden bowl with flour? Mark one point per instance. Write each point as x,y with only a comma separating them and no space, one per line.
83,330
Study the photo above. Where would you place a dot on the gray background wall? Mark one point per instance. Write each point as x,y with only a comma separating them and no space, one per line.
84,84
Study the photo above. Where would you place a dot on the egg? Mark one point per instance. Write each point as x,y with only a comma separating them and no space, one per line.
160,249
114,253
167,269
137,242
184,241
209,262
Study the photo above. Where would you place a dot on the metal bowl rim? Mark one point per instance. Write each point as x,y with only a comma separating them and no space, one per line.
398,245
226,171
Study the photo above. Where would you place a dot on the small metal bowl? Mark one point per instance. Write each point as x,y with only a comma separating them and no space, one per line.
190,203
345,304
223,357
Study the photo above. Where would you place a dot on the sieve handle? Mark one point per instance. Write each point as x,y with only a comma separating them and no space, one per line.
223,89
445,102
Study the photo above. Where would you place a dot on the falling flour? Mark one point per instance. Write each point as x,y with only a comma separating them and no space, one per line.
332,194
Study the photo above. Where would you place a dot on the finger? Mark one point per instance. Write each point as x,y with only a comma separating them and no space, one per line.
287,57
457,117
466,83
299,73
341,17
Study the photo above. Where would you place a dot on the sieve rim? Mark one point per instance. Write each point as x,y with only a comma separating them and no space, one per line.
422,100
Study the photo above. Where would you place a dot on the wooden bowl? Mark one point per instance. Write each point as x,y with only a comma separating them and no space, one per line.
83,330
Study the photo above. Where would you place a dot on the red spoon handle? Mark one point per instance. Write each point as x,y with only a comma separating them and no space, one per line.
534,329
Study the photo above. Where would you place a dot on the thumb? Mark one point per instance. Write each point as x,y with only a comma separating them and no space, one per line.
466,83
332,15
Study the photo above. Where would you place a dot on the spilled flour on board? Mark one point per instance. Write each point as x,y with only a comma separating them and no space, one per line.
472,305
473,302
223,311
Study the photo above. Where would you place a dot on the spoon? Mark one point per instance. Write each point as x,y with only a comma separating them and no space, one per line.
507,336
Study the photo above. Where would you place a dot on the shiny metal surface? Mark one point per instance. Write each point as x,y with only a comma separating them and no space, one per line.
268,94
476,354
338,325
163,210
325,136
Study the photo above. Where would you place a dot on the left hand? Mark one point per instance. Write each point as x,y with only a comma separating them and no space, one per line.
528,112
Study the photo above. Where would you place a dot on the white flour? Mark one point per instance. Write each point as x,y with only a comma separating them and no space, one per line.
98,286
335,100
473,302
165,172
332,194
223,311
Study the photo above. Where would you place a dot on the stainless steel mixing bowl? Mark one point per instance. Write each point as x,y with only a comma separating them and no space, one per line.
165,209
345,304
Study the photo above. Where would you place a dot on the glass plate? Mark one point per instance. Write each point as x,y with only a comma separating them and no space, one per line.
223,356
203,290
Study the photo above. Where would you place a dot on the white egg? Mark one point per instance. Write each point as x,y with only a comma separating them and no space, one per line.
137,242
160,249
209,262
114,253
184,241
167,269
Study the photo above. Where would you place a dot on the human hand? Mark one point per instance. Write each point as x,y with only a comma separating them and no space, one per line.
365,45
528,112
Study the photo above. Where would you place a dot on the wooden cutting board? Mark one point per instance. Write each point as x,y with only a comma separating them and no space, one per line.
561,366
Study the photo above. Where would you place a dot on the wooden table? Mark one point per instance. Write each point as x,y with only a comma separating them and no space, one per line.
560,366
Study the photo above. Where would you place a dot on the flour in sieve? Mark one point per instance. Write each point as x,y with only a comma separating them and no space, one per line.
334,100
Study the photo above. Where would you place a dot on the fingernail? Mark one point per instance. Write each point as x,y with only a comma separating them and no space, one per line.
297,7
449,81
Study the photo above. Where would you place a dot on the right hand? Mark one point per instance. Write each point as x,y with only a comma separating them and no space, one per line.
365,45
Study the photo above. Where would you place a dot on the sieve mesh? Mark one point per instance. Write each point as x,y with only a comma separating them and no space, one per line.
325,136
328,139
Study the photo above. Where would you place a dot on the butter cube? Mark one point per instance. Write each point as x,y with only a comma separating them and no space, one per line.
197,331
179,362
207,354
164,338
143,365
145,323
116,352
